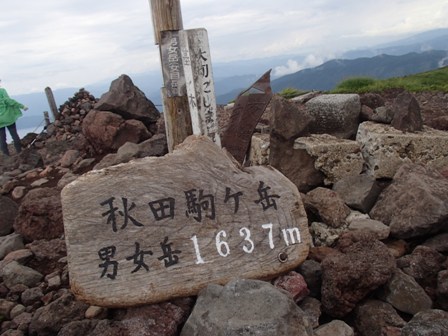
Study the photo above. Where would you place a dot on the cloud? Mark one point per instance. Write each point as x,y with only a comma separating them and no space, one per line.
78,42
293,66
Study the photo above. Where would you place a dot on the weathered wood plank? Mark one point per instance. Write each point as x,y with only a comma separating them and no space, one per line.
159,228
166,15
197,67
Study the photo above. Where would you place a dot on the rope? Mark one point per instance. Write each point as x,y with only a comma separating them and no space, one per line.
38,126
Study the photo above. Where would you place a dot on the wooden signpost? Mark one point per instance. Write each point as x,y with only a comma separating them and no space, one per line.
158,228
188,92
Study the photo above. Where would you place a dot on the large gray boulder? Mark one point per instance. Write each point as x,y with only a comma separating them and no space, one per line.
335,114
246,307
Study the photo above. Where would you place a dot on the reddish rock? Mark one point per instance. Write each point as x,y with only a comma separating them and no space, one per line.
398,248
289,122
69,158
162,319
319,253
93,328
350,276
127,100
415,203
423,264
108,131
374,317
48,320
372,100
40,215
47,255
9,210
438,242
328,206
293,283
407,114
442,290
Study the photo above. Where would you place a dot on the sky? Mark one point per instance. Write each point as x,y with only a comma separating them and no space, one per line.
73,43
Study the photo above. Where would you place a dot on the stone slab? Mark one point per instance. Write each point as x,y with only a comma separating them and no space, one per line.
385,148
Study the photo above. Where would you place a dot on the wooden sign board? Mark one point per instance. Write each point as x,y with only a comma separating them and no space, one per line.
172,65
187,70
159,228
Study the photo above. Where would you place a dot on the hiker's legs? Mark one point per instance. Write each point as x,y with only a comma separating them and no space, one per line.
3,144
15,137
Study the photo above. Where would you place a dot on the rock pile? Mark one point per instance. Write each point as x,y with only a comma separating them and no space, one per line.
378,265
71,116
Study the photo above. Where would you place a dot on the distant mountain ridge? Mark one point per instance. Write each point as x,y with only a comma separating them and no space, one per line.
233,77
326,76
436,39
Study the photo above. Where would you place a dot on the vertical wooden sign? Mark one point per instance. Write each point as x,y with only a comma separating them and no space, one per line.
187,75
197,66
187,70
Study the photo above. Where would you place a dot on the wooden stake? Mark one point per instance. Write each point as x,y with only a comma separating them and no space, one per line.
167,18
166,15
52,103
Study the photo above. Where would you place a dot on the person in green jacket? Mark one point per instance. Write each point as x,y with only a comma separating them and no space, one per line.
10,111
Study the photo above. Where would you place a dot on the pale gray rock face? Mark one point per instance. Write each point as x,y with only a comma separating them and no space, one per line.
335,328
10,243
335,114
359,191
385,149
15,274
246,307
335,158
429,323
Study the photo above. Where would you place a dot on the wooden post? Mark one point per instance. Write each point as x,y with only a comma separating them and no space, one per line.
167,17
52,103
46,118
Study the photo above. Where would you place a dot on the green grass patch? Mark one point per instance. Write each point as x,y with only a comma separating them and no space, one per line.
435,80
289,93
